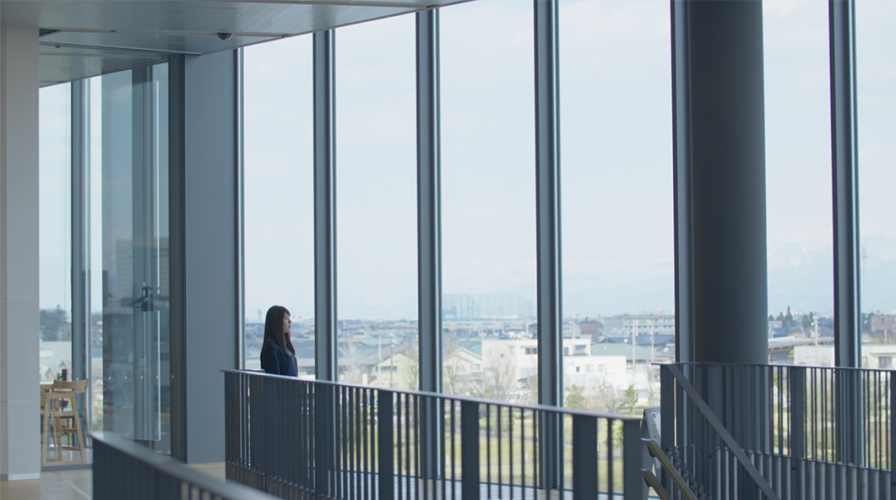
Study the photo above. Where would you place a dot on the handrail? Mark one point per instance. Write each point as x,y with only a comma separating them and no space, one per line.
448,397
116,460
729,441
669,468
291,436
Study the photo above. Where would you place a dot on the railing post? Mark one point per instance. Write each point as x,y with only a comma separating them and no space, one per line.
584,457
632,451
323,439
667,415
469,447
797,383
892,436
384,450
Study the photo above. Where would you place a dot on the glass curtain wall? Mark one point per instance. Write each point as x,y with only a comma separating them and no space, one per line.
876,75
278,183
798,173
488,200
55,233
618,244
134,251
376,203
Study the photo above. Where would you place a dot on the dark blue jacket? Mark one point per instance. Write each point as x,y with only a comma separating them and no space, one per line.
277,362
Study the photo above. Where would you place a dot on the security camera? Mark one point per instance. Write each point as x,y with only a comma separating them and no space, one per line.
225,36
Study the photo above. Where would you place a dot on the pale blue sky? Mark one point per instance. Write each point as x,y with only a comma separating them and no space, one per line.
616,160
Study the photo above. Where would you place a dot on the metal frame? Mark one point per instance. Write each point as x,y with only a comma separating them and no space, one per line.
80,227
547,165
845,183
429,235
80,233
325,317
240,212
177,255
681,179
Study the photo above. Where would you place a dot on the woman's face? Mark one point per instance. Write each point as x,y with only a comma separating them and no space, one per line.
286,323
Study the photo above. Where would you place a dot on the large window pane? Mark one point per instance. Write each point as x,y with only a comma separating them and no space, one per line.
618,277
55,233
488,199
376,203
279,196
876,72
135,256
798,173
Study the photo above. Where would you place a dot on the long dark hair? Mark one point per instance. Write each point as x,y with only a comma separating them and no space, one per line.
273,329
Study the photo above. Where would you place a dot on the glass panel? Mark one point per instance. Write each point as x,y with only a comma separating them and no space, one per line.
618,260
876,73
55,232
377,203
798,173
278,185
488,199
135,278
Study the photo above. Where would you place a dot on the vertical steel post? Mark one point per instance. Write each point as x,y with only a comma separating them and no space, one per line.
797,385
469,448
177,256
681,179
325,206
429,237
632,452
845,176
584,457
385,452
240,215
547,165
845,183
80,231
80,244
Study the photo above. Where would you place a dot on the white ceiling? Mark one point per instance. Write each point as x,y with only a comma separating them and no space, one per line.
83,38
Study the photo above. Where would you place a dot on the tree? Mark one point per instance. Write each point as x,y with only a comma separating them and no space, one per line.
53,324
788,318
575,397
630,399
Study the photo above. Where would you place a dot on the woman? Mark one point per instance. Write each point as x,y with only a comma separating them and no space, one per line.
278,356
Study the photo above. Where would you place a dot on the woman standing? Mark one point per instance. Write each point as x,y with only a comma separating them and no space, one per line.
278,356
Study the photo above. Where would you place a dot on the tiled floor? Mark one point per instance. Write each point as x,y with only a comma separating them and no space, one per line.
72,484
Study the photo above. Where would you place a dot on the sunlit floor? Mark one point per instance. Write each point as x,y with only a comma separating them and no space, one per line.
72,484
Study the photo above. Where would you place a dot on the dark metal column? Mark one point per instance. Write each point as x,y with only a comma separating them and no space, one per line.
547,166
325,205
240,215
681,179
844,149
720,112
80,152
429,236
845,183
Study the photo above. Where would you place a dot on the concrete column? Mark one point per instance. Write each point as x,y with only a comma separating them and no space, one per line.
204,169
19,249
724,128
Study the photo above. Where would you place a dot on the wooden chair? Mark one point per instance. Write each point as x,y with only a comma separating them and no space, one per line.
46,412
67,418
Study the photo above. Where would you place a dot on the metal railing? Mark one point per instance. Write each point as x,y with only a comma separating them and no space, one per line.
811,432
125,469
296,438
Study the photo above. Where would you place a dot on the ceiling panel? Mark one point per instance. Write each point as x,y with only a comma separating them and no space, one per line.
65,64
173,44
91,37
